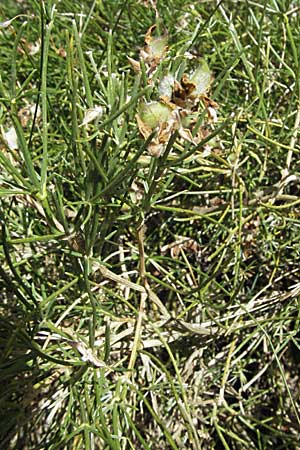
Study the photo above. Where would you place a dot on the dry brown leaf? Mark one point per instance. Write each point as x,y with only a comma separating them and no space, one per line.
145,130
134,64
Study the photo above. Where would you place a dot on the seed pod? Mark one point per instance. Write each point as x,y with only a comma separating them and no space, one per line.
166,85
202,78
154,113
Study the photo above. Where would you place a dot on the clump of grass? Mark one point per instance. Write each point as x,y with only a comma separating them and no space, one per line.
149,301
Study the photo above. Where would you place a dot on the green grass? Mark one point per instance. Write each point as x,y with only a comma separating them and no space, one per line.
149,303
